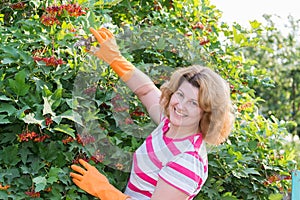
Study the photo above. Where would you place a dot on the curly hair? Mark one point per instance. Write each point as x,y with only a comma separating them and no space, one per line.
214,99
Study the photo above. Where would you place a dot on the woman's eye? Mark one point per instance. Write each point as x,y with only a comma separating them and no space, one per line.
179,94
194,103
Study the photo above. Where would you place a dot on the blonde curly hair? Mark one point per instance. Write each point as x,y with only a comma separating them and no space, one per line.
214,99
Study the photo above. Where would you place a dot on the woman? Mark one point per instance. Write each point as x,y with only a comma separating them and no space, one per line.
191,109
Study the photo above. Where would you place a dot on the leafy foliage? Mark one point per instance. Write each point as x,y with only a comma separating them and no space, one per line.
59,104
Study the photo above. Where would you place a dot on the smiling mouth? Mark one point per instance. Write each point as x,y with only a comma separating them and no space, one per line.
179,113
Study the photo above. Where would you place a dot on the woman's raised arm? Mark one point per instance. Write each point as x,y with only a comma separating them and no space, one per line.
135,79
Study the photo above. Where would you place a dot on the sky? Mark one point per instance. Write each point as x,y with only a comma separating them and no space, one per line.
242,11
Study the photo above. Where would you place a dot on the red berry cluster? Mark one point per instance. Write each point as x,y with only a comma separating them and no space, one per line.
68,140
52,12
276,179
4,187
98,157
244,106
73,10
203,41
117,102
33,194
137,113
198,25
85,139
104,106
49,20
128,120
18,6
50,61
82,156
90,90
27,135
119,166
48,121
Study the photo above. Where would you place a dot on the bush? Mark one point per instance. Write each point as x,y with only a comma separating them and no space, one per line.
59,104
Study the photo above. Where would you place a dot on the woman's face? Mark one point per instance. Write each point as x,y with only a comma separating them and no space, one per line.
184,108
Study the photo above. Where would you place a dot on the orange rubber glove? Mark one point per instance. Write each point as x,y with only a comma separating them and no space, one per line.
109,52
93,182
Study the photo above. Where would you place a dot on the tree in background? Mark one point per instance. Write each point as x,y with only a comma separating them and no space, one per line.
280,57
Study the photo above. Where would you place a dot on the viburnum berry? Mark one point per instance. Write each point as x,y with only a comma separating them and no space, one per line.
85,139
50,61
68,140
48,121
74,10
41,138
54,10
98,157
4,187
137,113
49,20
31,135
48,189
128,120
33,194
26,136
203,41
18,6
244,106
198,25
82,156
90,90
119,166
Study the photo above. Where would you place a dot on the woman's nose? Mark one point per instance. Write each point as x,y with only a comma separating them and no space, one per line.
181,104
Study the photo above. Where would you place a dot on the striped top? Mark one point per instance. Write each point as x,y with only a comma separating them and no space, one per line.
181,163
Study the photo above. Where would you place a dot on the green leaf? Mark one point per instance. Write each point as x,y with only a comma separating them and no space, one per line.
11,52
65,129
238,38
9,155
255,24
40,183
8,108
47,107
27,59
252,145
56,97
4,120
3,194
4,98
73,116
161,44
250,171
53,175
18,84
275,196
7,61
11,174
24,154
30,119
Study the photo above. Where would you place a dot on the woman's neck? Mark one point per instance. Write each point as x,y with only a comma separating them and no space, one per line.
177,132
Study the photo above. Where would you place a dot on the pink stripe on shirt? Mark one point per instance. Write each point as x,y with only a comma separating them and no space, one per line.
198,142
183,170
141,174
135,189
151,153
171,146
